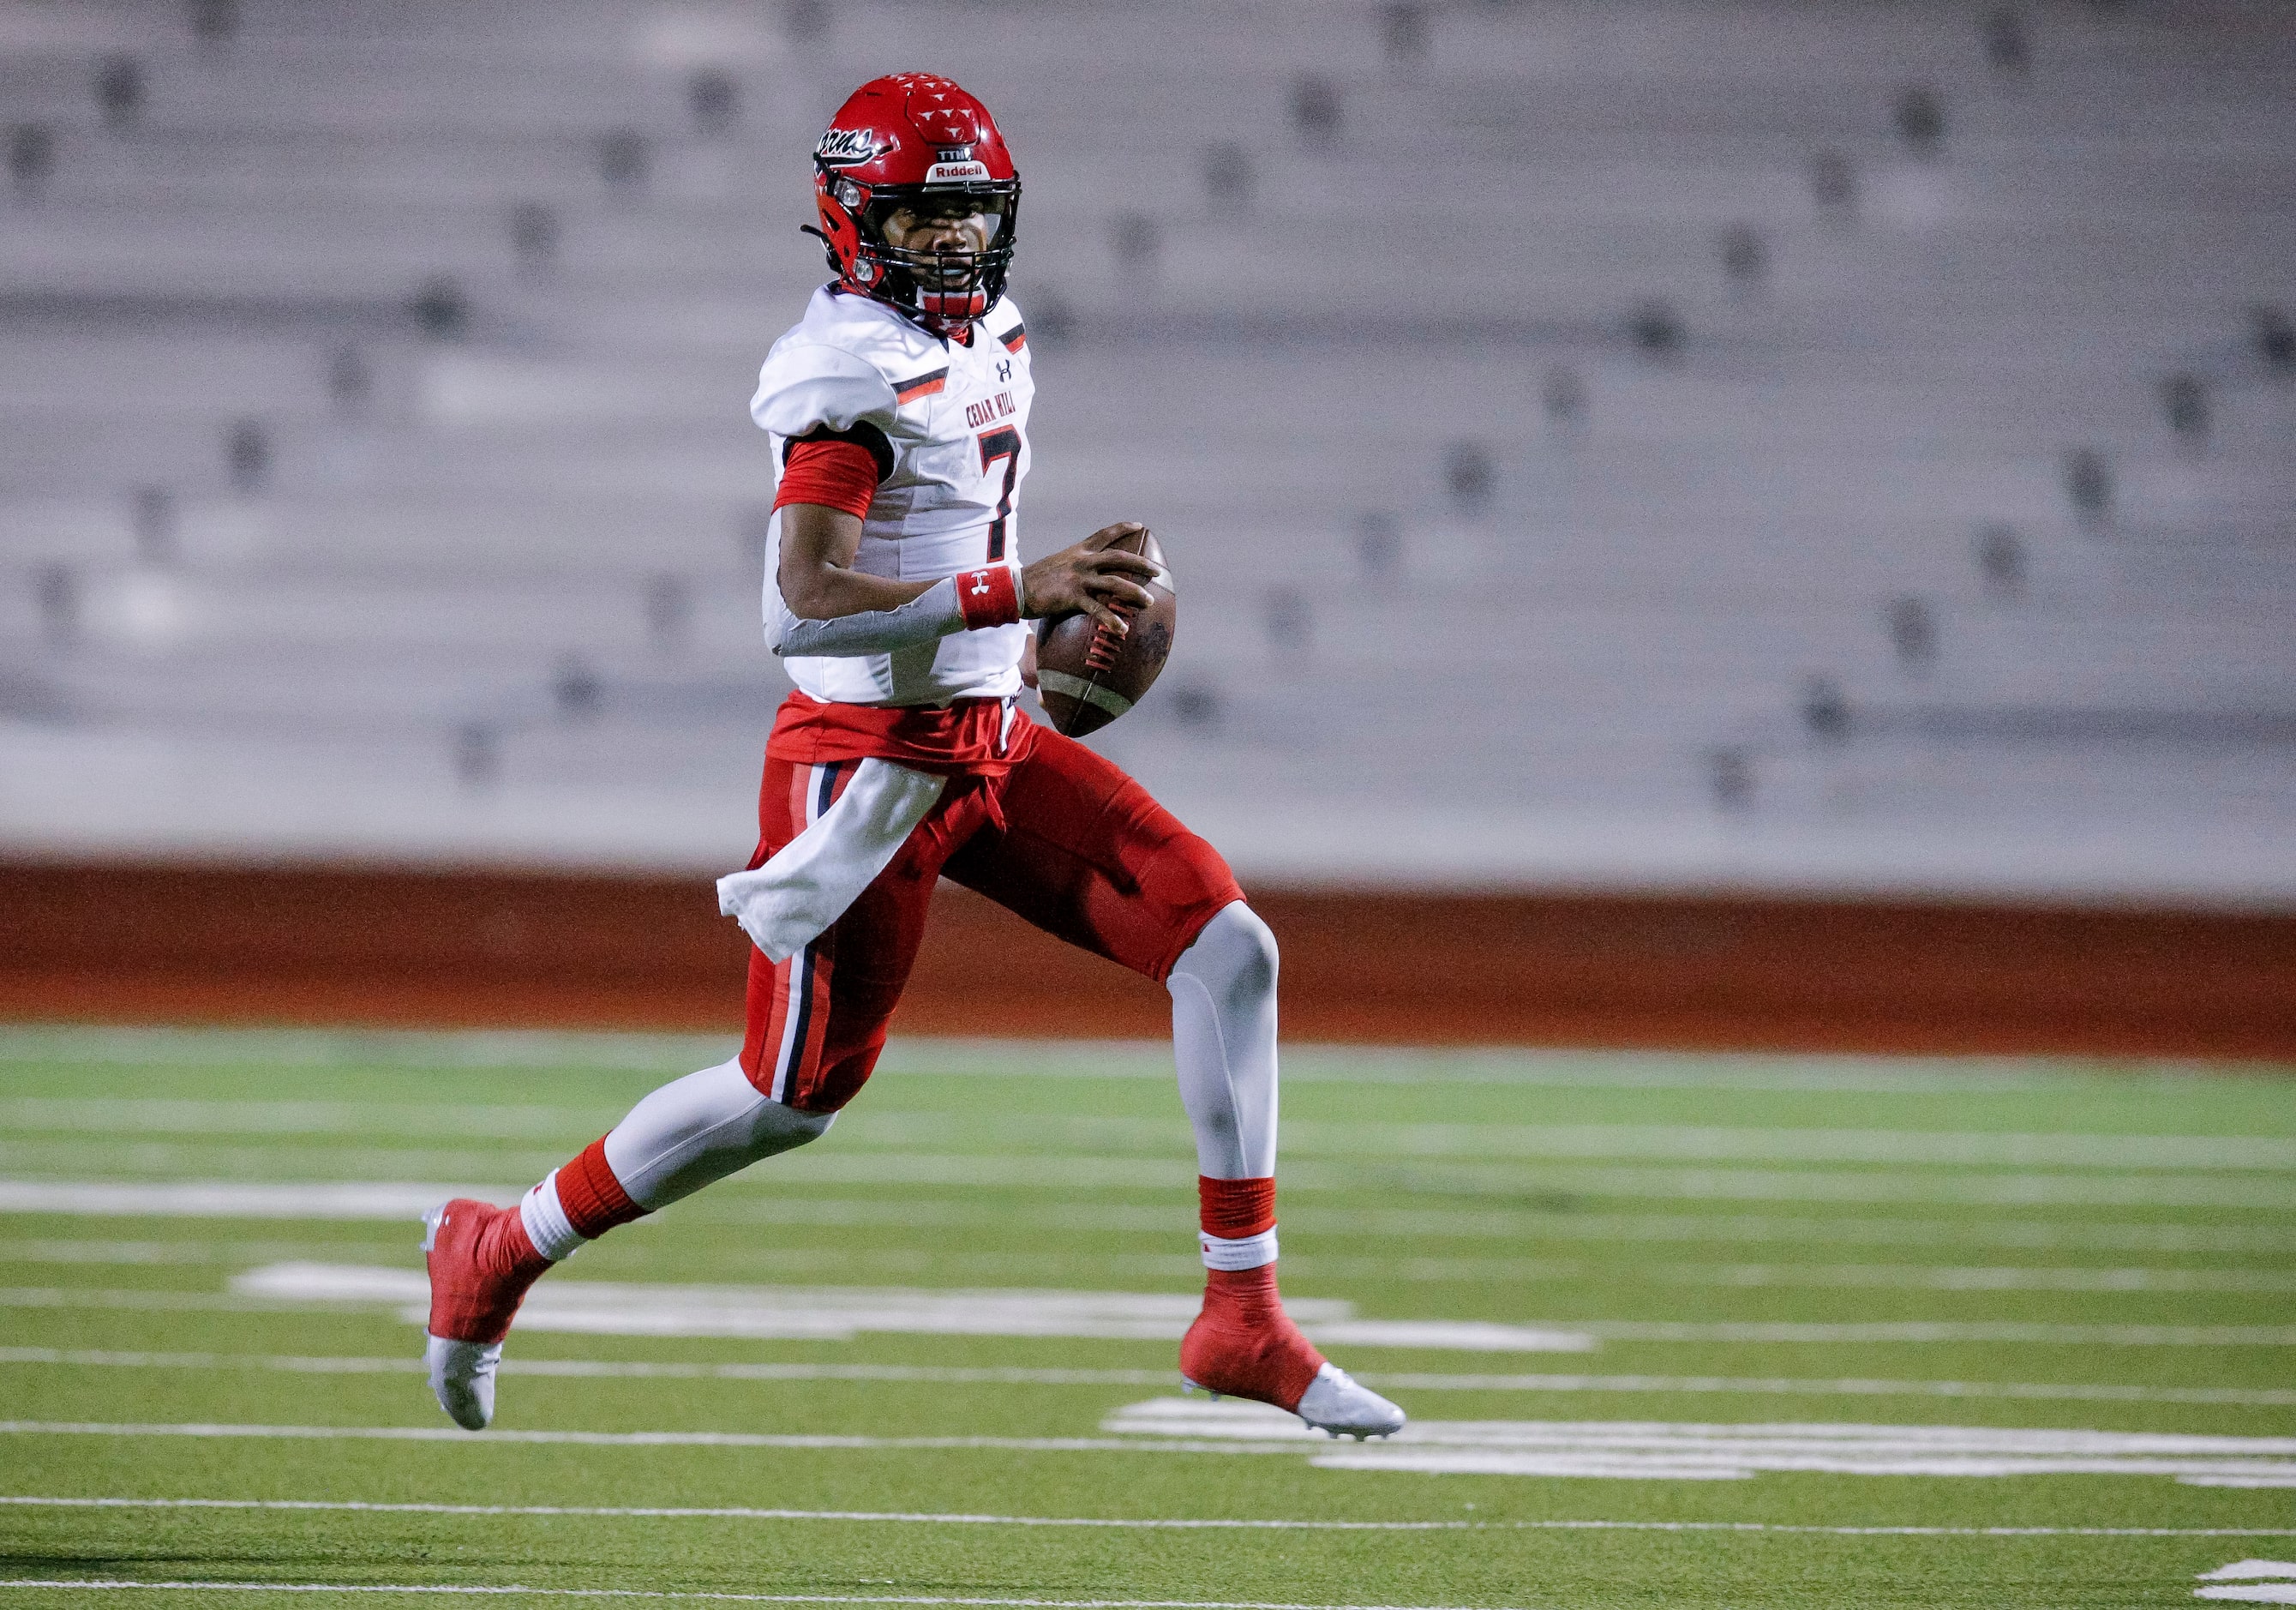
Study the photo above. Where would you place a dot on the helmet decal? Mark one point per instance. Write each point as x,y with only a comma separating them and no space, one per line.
841,145
905,142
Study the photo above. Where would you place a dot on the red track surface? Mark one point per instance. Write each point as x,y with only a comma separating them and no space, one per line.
430,947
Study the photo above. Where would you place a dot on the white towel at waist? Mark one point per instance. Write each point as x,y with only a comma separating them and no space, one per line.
787,903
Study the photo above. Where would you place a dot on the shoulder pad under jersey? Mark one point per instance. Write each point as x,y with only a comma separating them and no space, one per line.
838,367
1005,326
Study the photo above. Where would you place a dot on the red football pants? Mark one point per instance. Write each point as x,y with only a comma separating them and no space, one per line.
1064,840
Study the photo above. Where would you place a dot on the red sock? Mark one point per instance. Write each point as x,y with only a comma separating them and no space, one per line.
593,1198
1232,1209
1243,1344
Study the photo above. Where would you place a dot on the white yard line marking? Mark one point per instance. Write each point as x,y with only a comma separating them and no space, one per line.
927,1517
1921,1277
2260,1397
388,1202
2029,1235
1945,1332
237,1199
633,1439
1686,1143
1439,1177
240,1119
840,1312
630,1308
969,1128
601,1367
2109,1280
1893,1277
2255,1572
59,1249
1743,1462
2248,1571
1720,1071
51,1250
414,1050
567,1307
633,1308
2014,1189
649,1512
164,1301
118,1584
1665,1451
924,1056
1898,1276
1699,1142
1995,1278
1420,1224
1628,1449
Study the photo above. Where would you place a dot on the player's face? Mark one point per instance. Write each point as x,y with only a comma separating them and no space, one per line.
959,227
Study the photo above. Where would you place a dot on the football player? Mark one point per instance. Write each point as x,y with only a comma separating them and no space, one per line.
898,409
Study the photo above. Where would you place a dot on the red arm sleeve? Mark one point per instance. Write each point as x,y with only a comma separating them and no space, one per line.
835,474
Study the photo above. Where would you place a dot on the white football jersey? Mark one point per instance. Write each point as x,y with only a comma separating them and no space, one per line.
957,419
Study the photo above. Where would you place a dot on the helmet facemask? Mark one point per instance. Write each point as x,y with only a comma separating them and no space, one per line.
945,289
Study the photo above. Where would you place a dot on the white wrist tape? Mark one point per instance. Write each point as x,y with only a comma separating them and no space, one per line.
928,617
1244,1252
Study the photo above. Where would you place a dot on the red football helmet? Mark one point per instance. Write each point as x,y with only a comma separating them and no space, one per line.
918,140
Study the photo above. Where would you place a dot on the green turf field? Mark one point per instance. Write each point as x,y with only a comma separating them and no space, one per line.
1686,1330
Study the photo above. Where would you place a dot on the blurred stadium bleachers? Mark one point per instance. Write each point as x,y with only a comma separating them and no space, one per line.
1623,444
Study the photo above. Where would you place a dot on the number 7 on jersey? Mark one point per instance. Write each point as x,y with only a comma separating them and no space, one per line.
1003,442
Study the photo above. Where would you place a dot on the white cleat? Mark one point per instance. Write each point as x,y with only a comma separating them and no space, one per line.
462,1378
1334,1403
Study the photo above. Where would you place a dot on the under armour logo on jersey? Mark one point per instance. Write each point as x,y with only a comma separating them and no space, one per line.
981,582
1004,368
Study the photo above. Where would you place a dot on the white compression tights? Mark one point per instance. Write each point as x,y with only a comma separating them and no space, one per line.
695,1131
1223,1041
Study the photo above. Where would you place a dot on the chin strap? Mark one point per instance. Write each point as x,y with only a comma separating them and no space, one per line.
940,320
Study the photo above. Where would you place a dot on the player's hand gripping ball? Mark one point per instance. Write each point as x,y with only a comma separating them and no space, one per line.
1086,675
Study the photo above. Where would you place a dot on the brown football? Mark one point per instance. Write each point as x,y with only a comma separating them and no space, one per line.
1085,684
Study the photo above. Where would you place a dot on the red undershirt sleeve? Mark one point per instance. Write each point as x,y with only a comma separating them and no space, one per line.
835,473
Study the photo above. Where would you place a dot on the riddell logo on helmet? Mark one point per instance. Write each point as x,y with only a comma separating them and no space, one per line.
955,172
847,145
